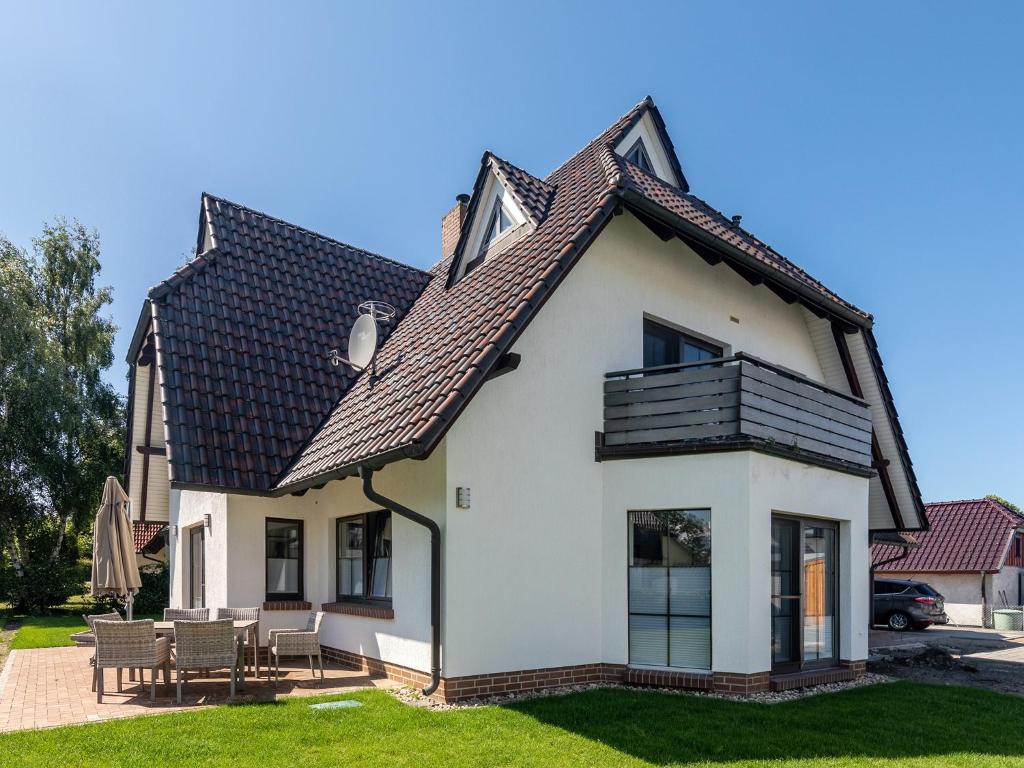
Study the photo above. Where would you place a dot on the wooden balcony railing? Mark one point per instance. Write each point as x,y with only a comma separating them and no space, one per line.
730,402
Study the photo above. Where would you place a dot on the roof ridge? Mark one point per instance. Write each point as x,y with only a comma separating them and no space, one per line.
629,116
187,270
551,187
313,233
981,500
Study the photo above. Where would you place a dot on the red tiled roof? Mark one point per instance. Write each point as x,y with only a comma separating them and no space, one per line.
144,533
965,536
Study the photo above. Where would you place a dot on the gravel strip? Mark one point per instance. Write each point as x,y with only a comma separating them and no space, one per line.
413,697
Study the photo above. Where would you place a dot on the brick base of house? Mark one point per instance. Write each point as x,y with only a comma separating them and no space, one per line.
454,689
847,670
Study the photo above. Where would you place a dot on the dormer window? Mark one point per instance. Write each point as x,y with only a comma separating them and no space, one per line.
637,155
499,222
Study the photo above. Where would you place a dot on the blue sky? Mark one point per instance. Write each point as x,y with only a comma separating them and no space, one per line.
877,146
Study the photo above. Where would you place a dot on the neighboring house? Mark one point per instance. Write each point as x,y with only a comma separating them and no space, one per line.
971,553
150,543
609,435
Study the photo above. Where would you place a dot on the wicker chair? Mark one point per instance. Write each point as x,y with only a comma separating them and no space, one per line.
89,619
186,614
205,645
130,645
246,614
297,642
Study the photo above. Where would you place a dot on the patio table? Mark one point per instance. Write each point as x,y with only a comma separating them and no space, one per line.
243,627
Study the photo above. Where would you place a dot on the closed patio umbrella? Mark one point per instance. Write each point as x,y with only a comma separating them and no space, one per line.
114,569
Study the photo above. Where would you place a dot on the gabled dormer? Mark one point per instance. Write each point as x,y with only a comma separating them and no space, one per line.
507,203
647,145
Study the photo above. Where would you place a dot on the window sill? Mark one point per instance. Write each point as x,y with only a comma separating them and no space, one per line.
287,605
360,609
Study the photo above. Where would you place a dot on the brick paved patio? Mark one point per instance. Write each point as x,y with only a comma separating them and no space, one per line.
46,687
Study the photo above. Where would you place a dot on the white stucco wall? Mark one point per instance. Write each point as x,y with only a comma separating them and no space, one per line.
236,565
187,510
536,569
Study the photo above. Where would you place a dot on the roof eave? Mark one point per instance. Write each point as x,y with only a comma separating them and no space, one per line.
834,308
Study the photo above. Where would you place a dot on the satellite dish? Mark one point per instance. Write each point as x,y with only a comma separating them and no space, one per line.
362,338
362,341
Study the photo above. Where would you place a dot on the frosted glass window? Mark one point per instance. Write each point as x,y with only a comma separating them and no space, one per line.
670,588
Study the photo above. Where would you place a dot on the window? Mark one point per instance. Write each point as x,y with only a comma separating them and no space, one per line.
805,596
499,222
670,588
284,559
196,567
637,155
667,346
364,558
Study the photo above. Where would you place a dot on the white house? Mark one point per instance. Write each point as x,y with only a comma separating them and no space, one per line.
610,435
972,554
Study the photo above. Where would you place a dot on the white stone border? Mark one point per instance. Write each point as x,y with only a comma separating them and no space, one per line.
6,671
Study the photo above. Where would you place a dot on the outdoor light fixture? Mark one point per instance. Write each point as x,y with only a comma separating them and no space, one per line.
462,498
207,520
174,531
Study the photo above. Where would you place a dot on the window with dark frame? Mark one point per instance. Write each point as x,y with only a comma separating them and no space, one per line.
637,155
667,346
364,558
284,561
670,588
498,222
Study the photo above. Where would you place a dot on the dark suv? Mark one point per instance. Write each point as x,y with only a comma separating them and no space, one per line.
902,604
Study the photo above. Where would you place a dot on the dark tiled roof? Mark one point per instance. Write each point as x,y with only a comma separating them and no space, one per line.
964,536
252,404
450,339
144,533
243,332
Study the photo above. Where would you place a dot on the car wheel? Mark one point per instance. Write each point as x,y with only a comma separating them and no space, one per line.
899,622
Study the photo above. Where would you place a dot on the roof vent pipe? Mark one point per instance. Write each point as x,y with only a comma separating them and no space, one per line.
435,571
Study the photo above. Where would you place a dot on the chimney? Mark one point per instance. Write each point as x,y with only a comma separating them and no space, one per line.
451,225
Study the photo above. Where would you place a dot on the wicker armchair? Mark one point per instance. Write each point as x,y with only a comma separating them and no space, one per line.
130,645
297,642
246,614
205,645
186,614
84,637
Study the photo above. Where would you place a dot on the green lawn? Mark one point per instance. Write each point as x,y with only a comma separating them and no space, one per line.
49,631
899,724
46,631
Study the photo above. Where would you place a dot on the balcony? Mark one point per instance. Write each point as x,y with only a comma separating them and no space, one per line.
733,403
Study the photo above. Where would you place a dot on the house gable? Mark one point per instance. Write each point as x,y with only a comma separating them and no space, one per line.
507,204
647,140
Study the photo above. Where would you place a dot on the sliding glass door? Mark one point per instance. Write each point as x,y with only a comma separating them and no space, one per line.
805,556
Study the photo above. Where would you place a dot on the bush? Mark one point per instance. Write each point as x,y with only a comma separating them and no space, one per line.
43,584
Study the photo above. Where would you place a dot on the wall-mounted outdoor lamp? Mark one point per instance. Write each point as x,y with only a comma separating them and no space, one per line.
207,520
462,498
174,531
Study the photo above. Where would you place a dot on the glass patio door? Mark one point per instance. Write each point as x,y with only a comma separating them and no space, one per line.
804,594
